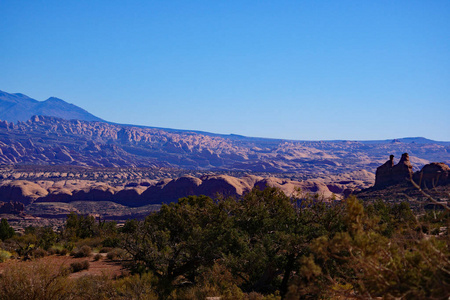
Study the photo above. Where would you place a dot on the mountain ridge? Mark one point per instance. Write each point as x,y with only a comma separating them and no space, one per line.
74,112
50,140
64,139
42,109
19,107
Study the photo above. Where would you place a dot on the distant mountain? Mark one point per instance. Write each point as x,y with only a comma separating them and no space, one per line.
59,133
47,140
19,107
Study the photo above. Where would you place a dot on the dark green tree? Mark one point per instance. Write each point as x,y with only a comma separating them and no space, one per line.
6,231
178,242
80,226
276,232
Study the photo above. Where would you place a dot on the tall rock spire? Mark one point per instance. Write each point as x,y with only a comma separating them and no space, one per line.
389,174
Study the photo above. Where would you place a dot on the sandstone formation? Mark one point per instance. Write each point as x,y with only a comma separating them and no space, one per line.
390,174
430,175
150,192
21,191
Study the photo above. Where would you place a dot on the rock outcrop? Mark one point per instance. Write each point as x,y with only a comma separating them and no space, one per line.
11,208
383,176
148,192
390,174
403,170
22,191
430,175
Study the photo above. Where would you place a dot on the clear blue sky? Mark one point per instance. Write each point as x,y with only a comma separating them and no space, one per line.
307,70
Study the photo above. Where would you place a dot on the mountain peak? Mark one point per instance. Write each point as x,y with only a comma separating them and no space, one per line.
19,107
54,99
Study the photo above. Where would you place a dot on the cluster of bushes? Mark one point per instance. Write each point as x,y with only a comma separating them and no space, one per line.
265,245
272,245
80,237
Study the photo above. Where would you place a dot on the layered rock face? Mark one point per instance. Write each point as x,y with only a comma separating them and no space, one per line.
430,175
390,174
53,141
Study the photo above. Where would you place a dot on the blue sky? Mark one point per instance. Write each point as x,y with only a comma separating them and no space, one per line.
308,70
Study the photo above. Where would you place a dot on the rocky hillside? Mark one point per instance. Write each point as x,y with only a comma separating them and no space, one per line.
44,140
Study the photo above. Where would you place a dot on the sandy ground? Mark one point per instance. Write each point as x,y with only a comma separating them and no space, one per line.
103,266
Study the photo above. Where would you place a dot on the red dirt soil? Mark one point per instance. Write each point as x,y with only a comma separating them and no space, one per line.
104,266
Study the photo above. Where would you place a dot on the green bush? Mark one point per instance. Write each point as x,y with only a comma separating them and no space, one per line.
4,255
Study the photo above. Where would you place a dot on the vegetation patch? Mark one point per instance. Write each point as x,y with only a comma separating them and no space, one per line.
79,266
264,245
84,251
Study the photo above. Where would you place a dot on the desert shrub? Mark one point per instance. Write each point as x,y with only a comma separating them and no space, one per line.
4,255
116,253
34,280
79,266
84,251
111,242
215,282
97,257
105,249
51,251
69,245
8,245
63,252
137,287
363,261
95,288
93,242
58,249
38,253
25,245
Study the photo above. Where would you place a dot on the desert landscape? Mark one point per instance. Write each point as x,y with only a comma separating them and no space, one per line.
224,150
95,209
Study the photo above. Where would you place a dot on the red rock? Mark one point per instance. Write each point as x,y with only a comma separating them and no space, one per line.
433,174
390,174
